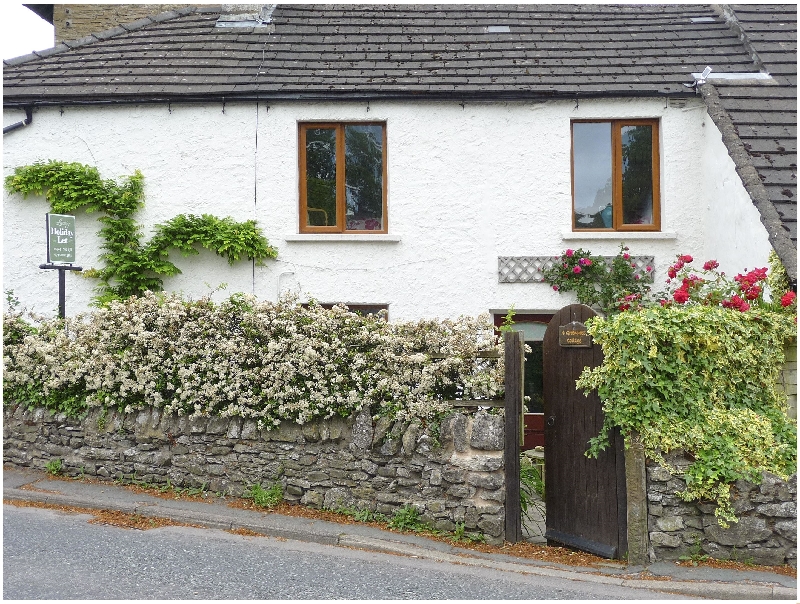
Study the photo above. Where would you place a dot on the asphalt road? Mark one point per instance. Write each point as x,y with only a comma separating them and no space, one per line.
52,555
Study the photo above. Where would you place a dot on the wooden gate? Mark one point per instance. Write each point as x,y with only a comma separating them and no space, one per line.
585,498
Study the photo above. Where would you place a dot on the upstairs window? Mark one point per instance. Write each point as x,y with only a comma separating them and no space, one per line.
615,176
343,178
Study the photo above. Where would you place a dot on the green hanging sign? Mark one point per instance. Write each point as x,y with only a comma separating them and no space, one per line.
60,238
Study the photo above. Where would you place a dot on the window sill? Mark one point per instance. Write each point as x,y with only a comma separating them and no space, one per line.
617,235
342,237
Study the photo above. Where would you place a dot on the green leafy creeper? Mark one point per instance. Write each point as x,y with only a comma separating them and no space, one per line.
132,267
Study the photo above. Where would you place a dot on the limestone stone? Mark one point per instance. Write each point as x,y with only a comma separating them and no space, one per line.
670,523
660,539
362,431
485,481
787,509
478,462
787,529
435,478
488,432
382,426
658,474
749,529
491,525
410,439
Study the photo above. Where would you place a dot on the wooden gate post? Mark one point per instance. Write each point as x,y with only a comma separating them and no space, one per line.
515,360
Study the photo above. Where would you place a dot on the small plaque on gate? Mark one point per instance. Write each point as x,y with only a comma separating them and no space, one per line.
574,335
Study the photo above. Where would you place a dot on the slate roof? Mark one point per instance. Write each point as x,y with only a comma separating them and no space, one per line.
452,52
389,51
763,117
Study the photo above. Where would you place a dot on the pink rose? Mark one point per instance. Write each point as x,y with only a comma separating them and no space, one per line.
576,270
569,253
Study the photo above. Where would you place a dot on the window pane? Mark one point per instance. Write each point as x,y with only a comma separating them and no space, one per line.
637,174
321,176
591,147
364,177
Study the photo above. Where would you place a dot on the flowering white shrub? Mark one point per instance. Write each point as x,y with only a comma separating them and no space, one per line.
262,360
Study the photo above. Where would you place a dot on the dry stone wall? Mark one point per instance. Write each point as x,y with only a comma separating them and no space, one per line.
356,462
766,532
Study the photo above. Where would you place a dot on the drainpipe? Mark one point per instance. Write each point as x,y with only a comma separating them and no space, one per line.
26,122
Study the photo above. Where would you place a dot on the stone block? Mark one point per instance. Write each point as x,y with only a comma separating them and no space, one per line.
670,523
453,475
478,462
389,498
768,556
485,481
338,497
435,478
498,495
369,467
444,525
362,431
460,490
310,431
659,539
391,446
658,474
787,529
488,432
409,439
234,428
492,525
382,426
217,425
787,509
748,530
313,499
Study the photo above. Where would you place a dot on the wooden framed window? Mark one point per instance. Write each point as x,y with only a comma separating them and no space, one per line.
615,176
343,177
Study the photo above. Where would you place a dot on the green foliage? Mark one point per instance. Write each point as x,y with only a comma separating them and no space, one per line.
531,492
364,515
265,498
130,266
609,287
461,535
695,552
702,379
407,519
53,467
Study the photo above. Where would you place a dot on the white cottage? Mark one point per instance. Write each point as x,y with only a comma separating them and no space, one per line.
420,158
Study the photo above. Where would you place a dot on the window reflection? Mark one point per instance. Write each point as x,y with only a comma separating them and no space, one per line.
592,161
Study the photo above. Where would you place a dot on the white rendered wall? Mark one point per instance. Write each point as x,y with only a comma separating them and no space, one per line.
466,184
736,237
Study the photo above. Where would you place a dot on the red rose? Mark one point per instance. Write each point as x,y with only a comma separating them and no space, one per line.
788,299
686,258
681,296
711,265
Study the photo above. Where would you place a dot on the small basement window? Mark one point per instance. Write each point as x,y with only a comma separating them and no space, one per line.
615,175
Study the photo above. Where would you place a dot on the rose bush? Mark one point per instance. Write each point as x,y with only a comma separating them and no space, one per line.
605,285
696,368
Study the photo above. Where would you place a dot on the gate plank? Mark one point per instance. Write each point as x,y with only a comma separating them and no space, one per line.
585,501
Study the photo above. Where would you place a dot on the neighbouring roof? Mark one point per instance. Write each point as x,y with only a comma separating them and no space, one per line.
759,119
458,52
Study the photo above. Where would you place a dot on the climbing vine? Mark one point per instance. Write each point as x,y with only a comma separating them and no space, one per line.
132,267
698,370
